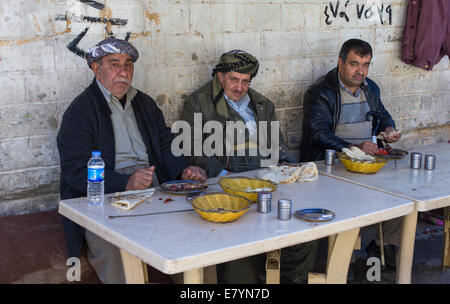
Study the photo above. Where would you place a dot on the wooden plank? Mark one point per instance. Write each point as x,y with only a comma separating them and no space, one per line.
321,278
358,243
446,240
406,252
194,276
317,278
331,241
341,253
380,229
134,269
273,267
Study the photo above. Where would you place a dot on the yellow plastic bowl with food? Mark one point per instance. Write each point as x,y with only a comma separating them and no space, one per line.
220,207
246,187
362,166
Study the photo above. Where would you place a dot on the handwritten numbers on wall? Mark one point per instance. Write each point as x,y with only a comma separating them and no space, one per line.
362,11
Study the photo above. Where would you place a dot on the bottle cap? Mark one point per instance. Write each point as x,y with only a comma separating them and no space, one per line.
96,153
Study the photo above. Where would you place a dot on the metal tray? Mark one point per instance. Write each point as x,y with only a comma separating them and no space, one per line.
315,215
166,187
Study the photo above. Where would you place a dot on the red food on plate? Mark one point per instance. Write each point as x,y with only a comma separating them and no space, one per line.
382,151
168,200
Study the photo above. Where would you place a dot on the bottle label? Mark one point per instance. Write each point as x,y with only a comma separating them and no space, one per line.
96,174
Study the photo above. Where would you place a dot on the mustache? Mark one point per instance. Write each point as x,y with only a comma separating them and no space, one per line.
126,80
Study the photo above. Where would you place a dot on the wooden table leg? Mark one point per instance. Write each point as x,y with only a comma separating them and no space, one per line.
134,269
341,254
194,276
340,250
446,235
406,252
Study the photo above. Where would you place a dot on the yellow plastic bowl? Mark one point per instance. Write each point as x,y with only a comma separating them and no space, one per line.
220,207
365,167
246,187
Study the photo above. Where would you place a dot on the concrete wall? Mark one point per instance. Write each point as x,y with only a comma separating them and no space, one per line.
179,42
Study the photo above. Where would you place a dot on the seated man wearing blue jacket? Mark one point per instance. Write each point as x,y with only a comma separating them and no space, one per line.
129,129
335,111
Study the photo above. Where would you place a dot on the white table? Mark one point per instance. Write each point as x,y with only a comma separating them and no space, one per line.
184,242
429,189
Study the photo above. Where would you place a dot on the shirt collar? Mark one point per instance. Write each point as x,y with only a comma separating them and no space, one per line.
105,91
358,91
240,105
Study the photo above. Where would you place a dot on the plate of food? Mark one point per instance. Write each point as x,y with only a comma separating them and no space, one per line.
184,186
390,153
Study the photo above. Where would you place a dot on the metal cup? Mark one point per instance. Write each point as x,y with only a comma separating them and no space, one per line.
416,160
430,162
330,157
284,209
264,202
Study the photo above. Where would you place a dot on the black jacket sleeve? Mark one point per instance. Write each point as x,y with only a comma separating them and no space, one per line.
383,114
79,135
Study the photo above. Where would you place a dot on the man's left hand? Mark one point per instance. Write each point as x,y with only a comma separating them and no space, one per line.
393,136
194,173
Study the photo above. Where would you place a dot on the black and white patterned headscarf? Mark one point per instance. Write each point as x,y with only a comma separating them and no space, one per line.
111,46
238,61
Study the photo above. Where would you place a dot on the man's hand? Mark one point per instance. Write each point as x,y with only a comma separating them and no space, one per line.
392,135
368,147
194,173
141,179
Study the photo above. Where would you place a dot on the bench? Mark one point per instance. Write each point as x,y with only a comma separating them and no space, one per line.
33,250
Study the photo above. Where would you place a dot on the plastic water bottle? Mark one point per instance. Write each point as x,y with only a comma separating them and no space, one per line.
96,177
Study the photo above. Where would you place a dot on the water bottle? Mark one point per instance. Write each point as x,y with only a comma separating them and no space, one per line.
96,177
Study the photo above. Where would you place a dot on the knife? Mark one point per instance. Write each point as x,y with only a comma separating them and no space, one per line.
145,214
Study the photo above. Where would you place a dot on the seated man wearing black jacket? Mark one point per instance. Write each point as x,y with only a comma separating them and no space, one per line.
335,112
129,130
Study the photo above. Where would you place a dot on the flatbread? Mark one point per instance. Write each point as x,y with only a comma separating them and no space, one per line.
357,154
129,199
384,135
287,174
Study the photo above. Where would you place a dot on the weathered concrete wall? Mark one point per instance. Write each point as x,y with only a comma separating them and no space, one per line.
179,42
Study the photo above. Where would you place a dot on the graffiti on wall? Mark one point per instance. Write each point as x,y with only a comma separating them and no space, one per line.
105,18
366,11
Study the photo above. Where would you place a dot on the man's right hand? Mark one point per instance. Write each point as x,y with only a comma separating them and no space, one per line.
141,179
368,147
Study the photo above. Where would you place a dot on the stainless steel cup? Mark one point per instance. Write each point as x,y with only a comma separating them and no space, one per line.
416,160
330,157
264,202
430,162
284,209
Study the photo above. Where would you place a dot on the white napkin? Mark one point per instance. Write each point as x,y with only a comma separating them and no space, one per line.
287,174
